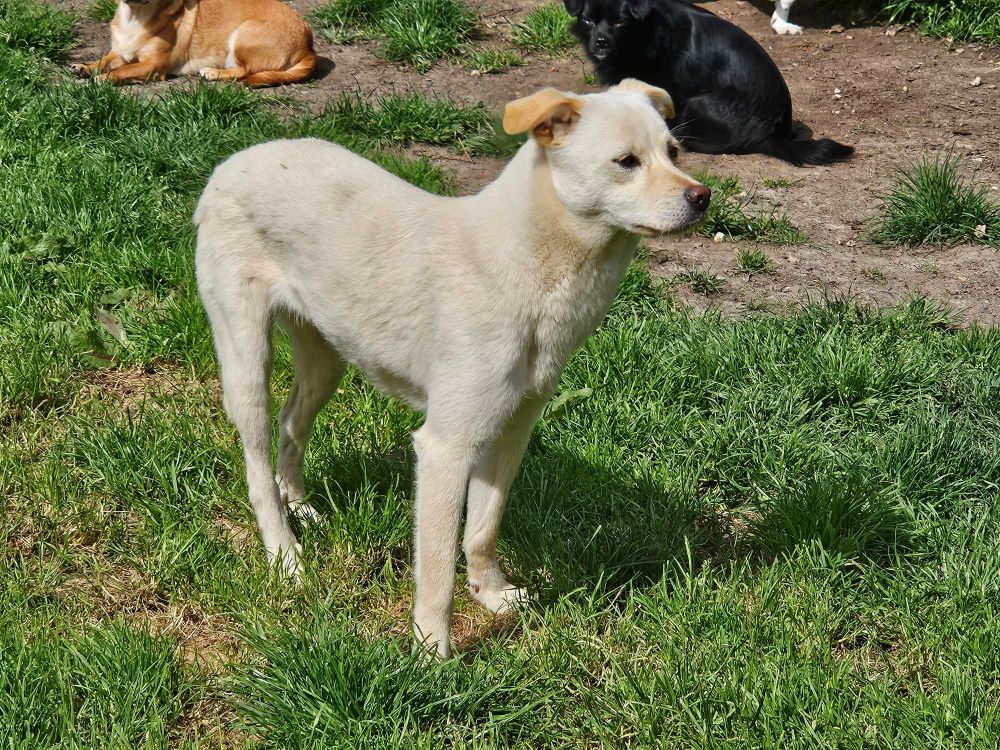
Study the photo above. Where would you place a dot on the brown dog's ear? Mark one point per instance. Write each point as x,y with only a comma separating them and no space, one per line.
548,114
659,98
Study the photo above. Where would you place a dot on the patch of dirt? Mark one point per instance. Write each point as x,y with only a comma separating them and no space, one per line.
900,96
132,386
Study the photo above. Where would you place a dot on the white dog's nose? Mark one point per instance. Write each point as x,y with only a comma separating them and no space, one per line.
698,196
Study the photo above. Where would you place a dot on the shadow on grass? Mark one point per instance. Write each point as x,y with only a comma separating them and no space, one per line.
573,524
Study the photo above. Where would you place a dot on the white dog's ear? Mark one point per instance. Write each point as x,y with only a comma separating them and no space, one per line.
549,114
659,98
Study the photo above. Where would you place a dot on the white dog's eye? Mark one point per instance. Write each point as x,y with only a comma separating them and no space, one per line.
672,151
628,161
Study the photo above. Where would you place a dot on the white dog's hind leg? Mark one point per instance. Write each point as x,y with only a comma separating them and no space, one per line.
241,327
779,21
318,369
488,490
444,462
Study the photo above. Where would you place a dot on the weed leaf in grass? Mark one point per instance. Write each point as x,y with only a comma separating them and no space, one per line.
560,403
934,203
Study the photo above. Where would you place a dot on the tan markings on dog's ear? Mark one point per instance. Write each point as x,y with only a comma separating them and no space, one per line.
660,99
548,114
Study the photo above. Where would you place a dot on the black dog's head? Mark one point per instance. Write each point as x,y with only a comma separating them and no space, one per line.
602,24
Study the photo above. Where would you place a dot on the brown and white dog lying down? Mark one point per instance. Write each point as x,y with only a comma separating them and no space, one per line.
256,42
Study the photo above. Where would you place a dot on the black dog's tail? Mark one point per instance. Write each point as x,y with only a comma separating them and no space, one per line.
799,153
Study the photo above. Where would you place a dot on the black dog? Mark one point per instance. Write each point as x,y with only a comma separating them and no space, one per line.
728,94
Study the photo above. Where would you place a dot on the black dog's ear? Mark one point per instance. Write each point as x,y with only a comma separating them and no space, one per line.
574,7
638,9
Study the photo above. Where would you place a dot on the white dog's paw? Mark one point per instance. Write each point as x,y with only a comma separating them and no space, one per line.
499,600
303,511
431,641
80,69
287,560
291,496
784,27
209,74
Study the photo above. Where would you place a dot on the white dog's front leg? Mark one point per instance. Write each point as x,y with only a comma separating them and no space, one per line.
443,466
779,21
488,490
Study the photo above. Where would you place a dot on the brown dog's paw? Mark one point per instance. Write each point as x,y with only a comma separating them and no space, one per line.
81,69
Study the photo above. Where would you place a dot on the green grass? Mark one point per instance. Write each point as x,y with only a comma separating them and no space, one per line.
961,20
488,60
780,182
358,14
702,280
731,213
415,32
874,273
934,203
420,32
112,687
545,29
102,10
776,531
753,261
29,25
403,119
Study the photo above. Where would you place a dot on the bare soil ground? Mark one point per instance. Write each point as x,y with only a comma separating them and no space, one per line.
900,96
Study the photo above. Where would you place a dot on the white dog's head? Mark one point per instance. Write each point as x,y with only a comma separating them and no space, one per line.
610,156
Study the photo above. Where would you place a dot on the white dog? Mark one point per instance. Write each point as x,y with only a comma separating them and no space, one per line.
466,308
779,20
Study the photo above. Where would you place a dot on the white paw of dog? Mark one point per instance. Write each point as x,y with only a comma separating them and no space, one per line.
287,560
209,74
304,511
785,28
431,641
292,498
500,600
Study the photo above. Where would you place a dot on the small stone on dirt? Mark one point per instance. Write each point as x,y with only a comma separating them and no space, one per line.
980,231
719,237
836,29
977,81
